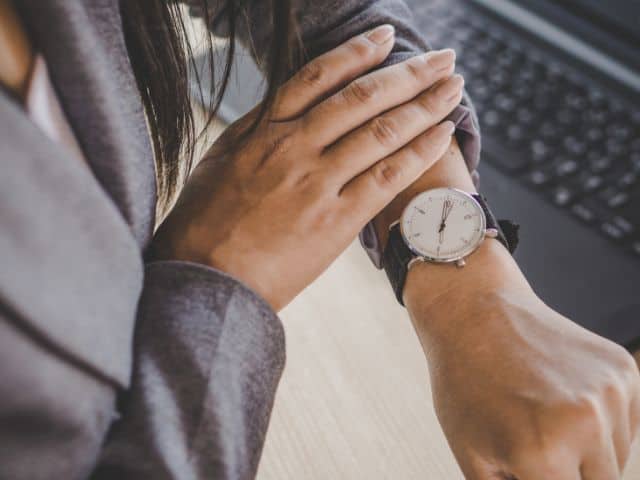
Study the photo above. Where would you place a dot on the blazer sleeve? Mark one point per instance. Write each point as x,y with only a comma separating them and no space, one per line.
325,24
208,357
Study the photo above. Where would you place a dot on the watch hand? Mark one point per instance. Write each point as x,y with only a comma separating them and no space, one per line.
443,218
449,210
446,211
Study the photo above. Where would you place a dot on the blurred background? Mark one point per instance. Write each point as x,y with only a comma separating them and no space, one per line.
556,86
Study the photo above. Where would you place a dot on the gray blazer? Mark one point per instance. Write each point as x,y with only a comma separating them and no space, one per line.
110,367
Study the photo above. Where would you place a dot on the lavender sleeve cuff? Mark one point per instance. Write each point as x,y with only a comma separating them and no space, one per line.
468,136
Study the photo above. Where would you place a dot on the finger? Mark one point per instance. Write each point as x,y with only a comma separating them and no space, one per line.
634,409
557,462
601,466
622,444
391,131
331,71
536,470
372,94
372,190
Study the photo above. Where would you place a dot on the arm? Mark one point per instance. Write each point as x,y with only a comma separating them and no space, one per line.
519,389
209,355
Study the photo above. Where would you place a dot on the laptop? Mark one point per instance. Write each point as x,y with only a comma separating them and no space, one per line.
557,88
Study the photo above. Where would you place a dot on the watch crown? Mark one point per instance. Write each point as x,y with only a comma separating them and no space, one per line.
461,263
491,233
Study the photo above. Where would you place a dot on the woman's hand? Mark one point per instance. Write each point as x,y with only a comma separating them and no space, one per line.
338,146
520,391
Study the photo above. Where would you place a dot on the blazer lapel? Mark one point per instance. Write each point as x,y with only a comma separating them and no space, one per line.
83,44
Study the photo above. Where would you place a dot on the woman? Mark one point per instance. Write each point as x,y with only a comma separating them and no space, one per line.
268,208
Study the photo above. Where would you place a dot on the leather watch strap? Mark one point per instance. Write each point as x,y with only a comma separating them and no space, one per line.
395,260
507,230
397,255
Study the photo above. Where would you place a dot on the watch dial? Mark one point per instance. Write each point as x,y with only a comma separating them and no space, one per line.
443,224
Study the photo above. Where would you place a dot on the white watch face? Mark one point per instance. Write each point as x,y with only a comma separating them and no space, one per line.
443,225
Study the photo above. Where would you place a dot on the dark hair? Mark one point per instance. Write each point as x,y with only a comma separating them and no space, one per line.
161,55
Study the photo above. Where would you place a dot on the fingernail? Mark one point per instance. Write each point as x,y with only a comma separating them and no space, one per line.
381,35
451,88
441,59
449,126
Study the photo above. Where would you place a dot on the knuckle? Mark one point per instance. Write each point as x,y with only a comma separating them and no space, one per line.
312,74
428,104
277,147
361,48
384,130
547,459
315,182
628,365
325,218
590,412
419,150
613,391
416,70
361,91
387,174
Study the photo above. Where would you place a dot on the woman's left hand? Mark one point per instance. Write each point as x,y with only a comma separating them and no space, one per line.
339,144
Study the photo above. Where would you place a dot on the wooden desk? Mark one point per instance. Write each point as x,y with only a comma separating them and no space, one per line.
354,402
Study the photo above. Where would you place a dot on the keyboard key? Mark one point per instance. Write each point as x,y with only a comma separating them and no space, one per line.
475,64
598,162
635,247
505,103
575,100
565,168
525,116
612,231
597,116
589,182
491,119
522,91
616,147
595,135
619,131
498,79
539,178
565,117
583,212
562,196
540,151
479,91
628,180
575,146
623,224
614,198
515,134
631,210
550,131
596,97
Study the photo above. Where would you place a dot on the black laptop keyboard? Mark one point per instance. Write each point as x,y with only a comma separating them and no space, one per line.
571,142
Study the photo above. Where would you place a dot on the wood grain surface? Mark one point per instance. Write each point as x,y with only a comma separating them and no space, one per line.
354,402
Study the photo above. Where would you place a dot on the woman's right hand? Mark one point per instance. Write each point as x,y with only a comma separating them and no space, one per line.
338,145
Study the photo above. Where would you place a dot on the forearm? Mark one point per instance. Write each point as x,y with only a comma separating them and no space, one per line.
430,288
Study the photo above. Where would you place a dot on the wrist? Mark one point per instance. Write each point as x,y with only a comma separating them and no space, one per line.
441,298
450,171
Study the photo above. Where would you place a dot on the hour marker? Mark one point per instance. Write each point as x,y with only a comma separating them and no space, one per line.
464,240
416,235
421,211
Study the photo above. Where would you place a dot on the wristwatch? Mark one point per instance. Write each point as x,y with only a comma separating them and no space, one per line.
442,225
